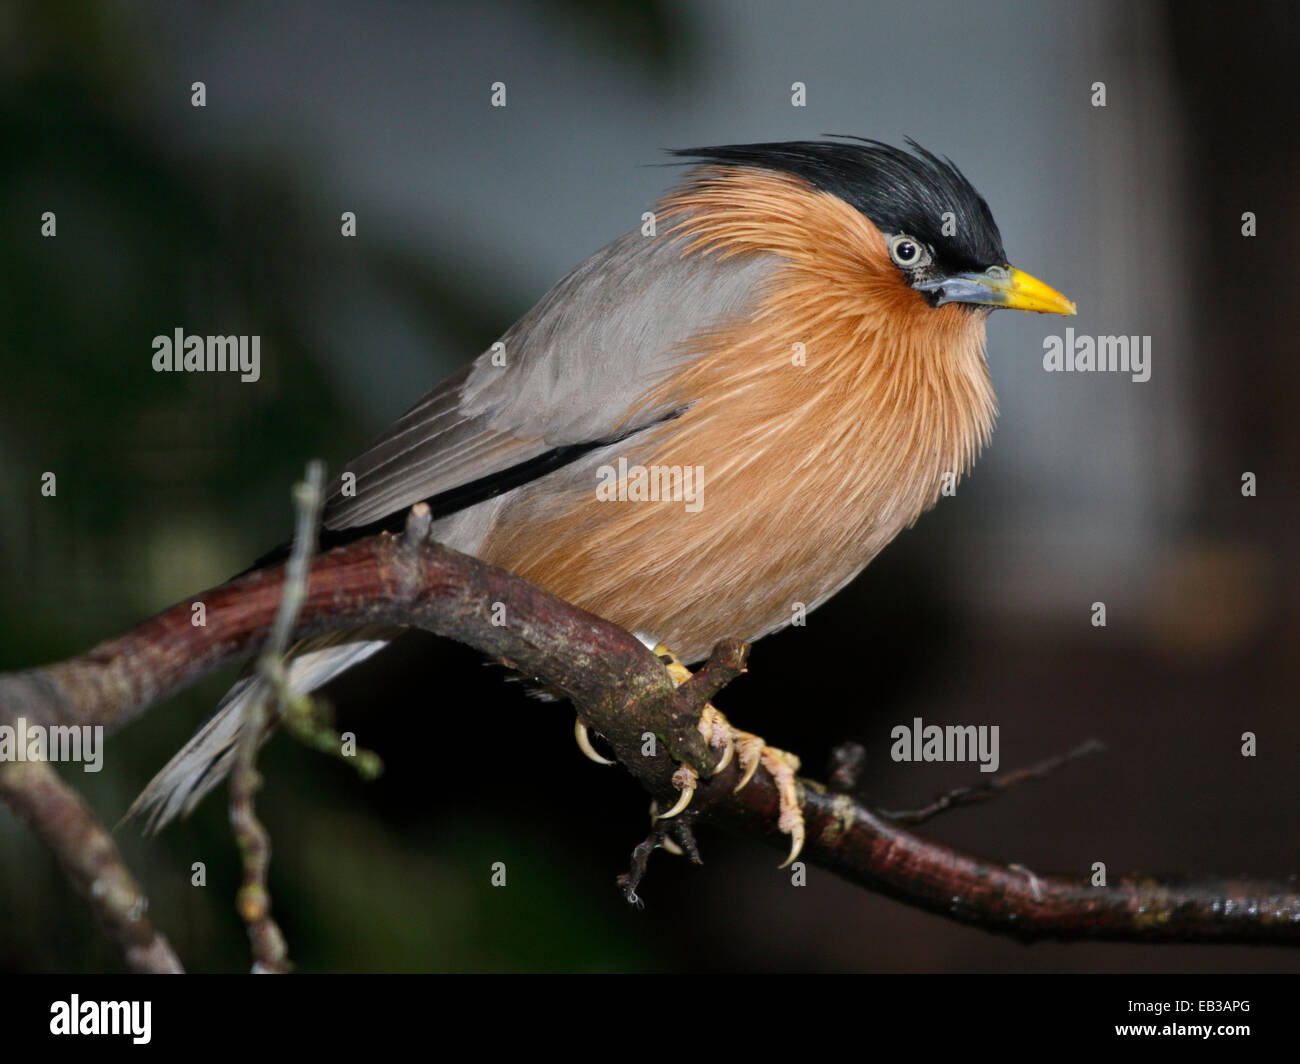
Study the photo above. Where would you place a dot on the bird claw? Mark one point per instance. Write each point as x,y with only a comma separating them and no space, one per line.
750,751
751,754
782,766
684,779
717,732
584,744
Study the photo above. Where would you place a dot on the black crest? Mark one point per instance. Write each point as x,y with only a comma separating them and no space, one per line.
900,191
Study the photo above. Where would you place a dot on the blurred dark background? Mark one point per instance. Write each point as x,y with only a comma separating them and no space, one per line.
225,219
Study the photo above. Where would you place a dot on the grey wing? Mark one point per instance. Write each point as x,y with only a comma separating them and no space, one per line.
561,379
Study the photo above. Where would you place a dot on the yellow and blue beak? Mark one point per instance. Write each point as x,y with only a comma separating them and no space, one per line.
999,286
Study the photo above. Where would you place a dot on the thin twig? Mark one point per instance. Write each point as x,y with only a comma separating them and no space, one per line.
271,686
961,796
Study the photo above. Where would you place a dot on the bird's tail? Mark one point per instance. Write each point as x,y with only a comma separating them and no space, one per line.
208,757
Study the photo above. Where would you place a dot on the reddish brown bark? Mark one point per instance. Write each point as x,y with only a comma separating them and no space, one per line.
621,690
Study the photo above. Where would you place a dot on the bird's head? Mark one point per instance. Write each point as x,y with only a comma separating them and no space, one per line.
937,230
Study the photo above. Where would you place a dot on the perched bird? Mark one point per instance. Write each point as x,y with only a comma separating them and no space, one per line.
708,421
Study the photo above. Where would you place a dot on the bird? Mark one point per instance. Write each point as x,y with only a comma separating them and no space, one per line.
716,420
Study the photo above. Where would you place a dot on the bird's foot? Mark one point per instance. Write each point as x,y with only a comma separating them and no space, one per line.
584,744
750,752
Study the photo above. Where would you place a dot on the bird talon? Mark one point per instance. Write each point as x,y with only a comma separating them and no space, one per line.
584,744
684,779
727,754
717,733
750,751
796,847
782,766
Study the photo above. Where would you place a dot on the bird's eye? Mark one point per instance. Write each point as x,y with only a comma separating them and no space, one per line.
907,252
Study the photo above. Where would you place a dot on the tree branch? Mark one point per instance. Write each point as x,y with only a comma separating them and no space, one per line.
62,821
621,690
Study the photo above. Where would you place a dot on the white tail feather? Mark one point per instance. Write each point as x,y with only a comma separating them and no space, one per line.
208,757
